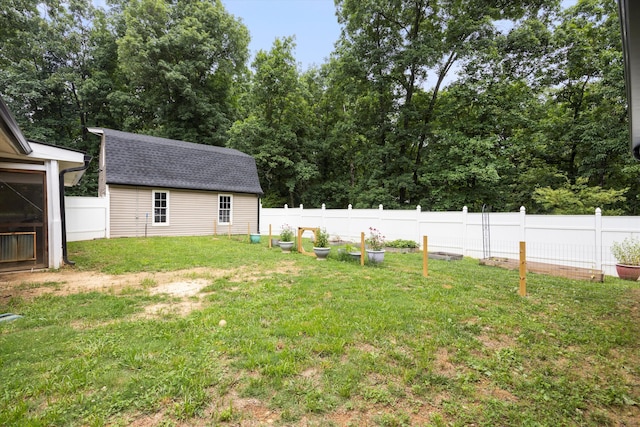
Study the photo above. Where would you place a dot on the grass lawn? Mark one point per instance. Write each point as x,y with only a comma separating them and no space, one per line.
310,343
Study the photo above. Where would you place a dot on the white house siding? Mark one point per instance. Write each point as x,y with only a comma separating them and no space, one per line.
191,213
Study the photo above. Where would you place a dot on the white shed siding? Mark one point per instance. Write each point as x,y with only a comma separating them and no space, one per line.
245,213
191,213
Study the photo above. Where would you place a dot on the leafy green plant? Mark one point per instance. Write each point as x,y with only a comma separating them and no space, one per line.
627,252
322,239
375,240
286,235
400,243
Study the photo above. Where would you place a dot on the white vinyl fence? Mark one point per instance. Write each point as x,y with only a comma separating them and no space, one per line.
86,217
572,240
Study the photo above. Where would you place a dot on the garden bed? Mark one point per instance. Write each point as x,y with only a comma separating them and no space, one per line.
546,268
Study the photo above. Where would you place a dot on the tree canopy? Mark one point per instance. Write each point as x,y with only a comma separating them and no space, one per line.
441,103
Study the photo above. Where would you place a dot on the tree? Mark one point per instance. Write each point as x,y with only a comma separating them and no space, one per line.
394,51
180,60
278,131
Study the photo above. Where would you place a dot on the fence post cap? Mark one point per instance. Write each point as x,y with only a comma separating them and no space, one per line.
523,209
598,211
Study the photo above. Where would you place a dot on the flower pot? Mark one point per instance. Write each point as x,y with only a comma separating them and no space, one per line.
354,255
286,246
375,256
628,272
254,238
321,253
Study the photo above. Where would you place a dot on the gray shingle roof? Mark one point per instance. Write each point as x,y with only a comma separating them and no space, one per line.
133,159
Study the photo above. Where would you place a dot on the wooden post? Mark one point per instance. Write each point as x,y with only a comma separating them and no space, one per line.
249,232
229,232
362,248
523,269
269,236
425,257
215,227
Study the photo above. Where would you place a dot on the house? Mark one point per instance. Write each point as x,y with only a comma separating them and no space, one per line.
162,187
629,17
32,180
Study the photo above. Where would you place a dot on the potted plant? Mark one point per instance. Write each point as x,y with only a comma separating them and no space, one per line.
286,238
351,252
627,253
321,246
375,245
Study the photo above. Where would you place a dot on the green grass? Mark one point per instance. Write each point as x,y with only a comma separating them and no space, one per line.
320,343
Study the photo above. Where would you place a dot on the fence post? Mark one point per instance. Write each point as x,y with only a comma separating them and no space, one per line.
465,212
380,210
523,269
286,215
598,231
425,257
301,221
349,208
324,212
418,211
523,224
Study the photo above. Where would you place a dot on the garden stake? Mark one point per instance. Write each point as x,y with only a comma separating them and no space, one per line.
425,257
362,248
270,236
523,269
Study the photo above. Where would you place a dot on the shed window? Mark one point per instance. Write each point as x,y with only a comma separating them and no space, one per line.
160,208
224,209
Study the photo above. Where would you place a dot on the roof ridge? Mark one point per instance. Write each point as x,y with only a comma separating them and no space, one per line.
139,137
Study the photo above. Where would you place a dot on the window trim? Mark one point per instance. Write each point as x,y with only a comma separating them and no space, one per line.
230,196
153,209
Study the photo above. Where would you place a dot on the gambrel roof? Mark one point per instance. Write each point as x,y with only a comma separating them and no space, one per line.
149,161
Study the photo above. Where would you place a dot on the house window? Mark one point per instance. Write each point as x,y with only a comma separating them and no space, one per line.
224,209
160,208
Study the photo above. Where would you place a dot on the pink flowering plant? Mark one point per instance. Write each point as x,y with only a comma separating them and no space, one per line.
286,235
375,241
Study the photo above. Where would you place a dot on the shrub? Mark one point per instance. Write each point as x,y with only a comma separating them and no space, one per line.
400,243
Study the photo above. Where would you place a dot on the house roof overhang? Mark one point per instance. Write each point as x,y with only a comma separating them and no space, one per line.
629,17
14,145
11,138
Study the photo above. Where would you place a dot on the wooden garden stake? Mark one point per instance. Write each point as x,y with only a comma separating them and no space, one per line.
523,269
229,230
425,257
249,231
269,236
215,227
362,248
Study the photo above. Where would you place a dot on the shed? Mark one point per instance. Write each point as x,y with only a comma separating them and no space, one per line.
164,187
32,180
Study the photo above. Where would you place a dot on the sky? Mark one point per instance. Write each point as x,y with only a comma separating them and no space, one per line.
312,22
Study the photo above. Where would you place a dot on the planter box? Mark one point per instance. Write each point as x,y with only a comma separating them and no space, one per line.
402,250
446,256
